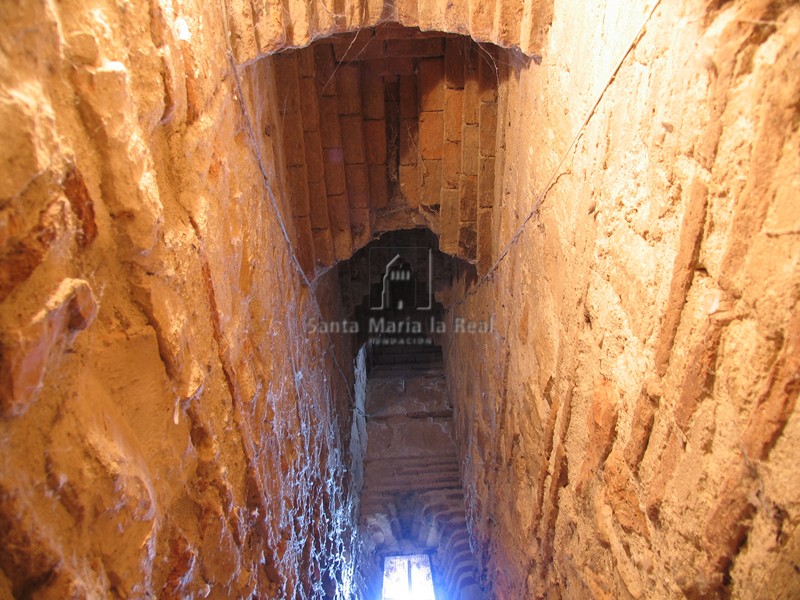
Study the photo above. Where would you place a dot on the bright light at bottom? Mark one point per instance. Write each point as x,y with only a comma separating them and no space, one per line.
407,578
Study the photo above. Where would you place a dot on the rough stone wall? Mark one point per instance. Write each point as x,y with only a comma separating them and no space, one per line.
264,26
166,427
630,429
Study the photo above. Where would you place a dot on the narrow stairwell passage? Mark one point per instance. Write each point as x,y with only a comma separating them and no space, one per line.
412,500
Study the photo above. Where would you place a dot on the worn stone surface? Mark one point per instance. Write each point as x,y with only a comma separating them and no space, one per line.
168,428
644,317
627,428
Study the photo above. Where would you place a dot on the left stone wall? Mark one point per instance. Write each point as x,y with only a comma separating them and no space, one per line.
167,428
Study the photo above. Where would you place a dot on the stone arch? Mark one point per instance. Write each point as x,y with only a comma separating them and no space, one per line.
259,28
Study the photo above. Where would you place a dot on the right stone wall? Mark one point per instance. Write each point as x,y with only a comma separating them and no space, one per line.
630,423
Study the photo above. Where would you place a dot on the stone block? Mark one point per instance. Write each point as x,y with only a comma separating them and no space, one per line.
293,145
375,138
484,241
304,244
470,156
333,159
329,122
318,204
451,165
323,247
454,58
488,124
308,103
348,89
325,69
431,84
378,186
372,96
471,101
449,221
486,182
431,135
453,114
352,139
27,354
427,47
431,183
357,185
297,184
315,166
468,197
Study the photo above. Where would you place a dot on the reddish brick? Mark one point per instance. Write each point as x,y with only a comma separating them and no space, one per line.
488,136
318,205
325,67
304,244
454,63
342,243
308,104
323,247
431,84
486,183
471,101
682,271
484,249
297,183
293,146
352,139
469,150
642,424
602,426
409,103
415,47
453,117
372,96
777,402
305,63
360,226
348,89
431,183
699,375
378,186
313,148
449,221
409,142
357,185
409,184
668,461
452,165
339,213
334,171
467,240
468,195
287,83
400,65
488,76
329,122
431,135
621,495
375,137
